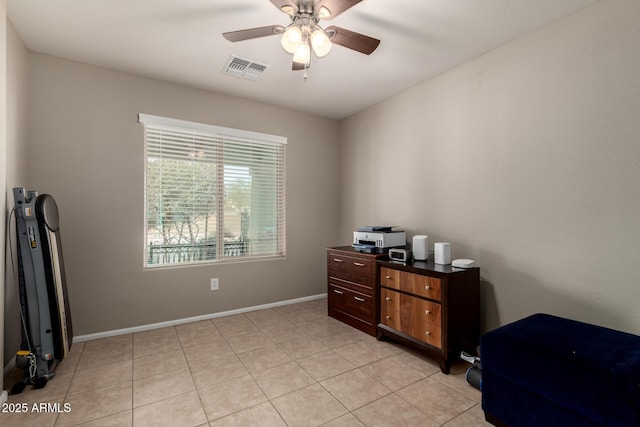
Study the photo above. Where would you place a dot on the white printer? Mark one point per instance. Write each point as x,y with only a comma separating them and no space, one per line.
378,239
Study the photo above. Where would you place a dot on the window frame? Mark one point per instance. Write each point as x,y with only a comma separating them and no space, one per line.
233,136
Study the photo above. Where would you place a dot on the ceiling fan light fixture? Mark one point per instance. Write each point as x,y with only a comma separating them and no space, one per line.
289,10
304,34
302,55
320,43
291,39
324,12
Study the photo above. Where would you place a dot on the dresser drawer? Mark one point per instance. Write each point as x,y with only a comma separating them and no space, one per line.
356,304
351,269
414,307
389,300
419,329
425,310
390,278
424,286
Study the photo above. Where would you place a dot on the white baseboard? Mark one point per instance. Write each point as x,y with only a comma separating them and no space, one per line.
142,328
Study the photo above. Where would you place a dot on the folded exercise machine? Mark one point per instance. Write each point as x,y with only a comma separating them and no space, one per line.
47,332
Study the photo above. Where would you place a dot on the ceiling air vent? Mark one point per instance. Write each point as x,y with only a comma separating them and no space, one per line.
244,68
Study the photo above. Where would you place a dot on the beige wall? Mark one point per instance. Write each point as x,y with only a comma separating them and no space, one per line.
87,150
16,172
527,159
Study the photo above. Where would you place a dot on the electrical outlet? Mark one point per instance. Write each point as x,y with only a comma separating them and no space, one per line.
214,284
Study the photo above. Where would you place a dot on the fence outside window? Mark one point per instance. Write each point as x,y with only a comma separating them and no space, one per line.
159,254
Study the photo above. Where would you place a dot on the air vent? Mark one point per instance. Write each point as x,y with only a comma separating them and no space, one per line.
244,68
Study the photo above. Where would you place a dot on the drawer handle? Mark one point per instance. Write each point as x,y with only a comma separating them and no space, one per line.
358,299
388,317
358,264
427,287
427,333
338,292
338,260
387,299
387,277
427,312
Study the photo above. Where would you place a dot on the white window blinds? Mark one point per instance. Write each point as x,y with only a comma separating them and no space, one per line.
211,193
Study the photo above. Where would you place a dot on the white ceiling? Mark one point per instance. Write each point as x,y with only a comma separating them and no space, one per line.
181,41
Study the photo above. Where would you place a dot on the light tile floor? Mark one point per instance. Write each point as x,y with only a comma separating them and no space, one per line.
286,366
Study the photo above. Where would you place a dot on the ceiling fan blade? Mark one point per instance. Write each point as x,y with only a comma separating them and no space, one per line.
253,33
352,40
287,6
336,7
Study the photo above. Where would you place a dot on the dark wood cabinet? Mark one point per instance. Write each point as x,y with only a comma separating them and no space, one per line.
352,287
434,308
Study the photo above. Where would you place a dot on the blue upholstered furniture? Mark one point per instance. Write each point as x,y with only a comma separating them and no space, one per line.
549,371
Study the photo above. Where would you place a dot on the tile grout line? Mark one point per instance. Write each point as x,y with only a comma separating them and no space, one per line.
73,375
317,382
204,409
261,389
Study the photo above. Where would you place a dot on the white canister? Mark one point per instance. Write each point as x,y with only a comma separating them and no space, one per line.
421,247
442,253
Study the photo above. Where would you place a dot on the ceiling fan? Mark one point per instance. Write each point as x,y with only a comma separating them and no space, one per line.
304,33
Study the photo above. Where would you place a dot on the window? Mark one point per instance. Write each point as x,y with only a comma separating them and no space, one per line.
211,194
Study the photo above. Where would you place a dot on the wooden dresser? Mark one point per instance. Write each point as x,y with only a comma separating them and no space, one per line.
434,308
352,287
